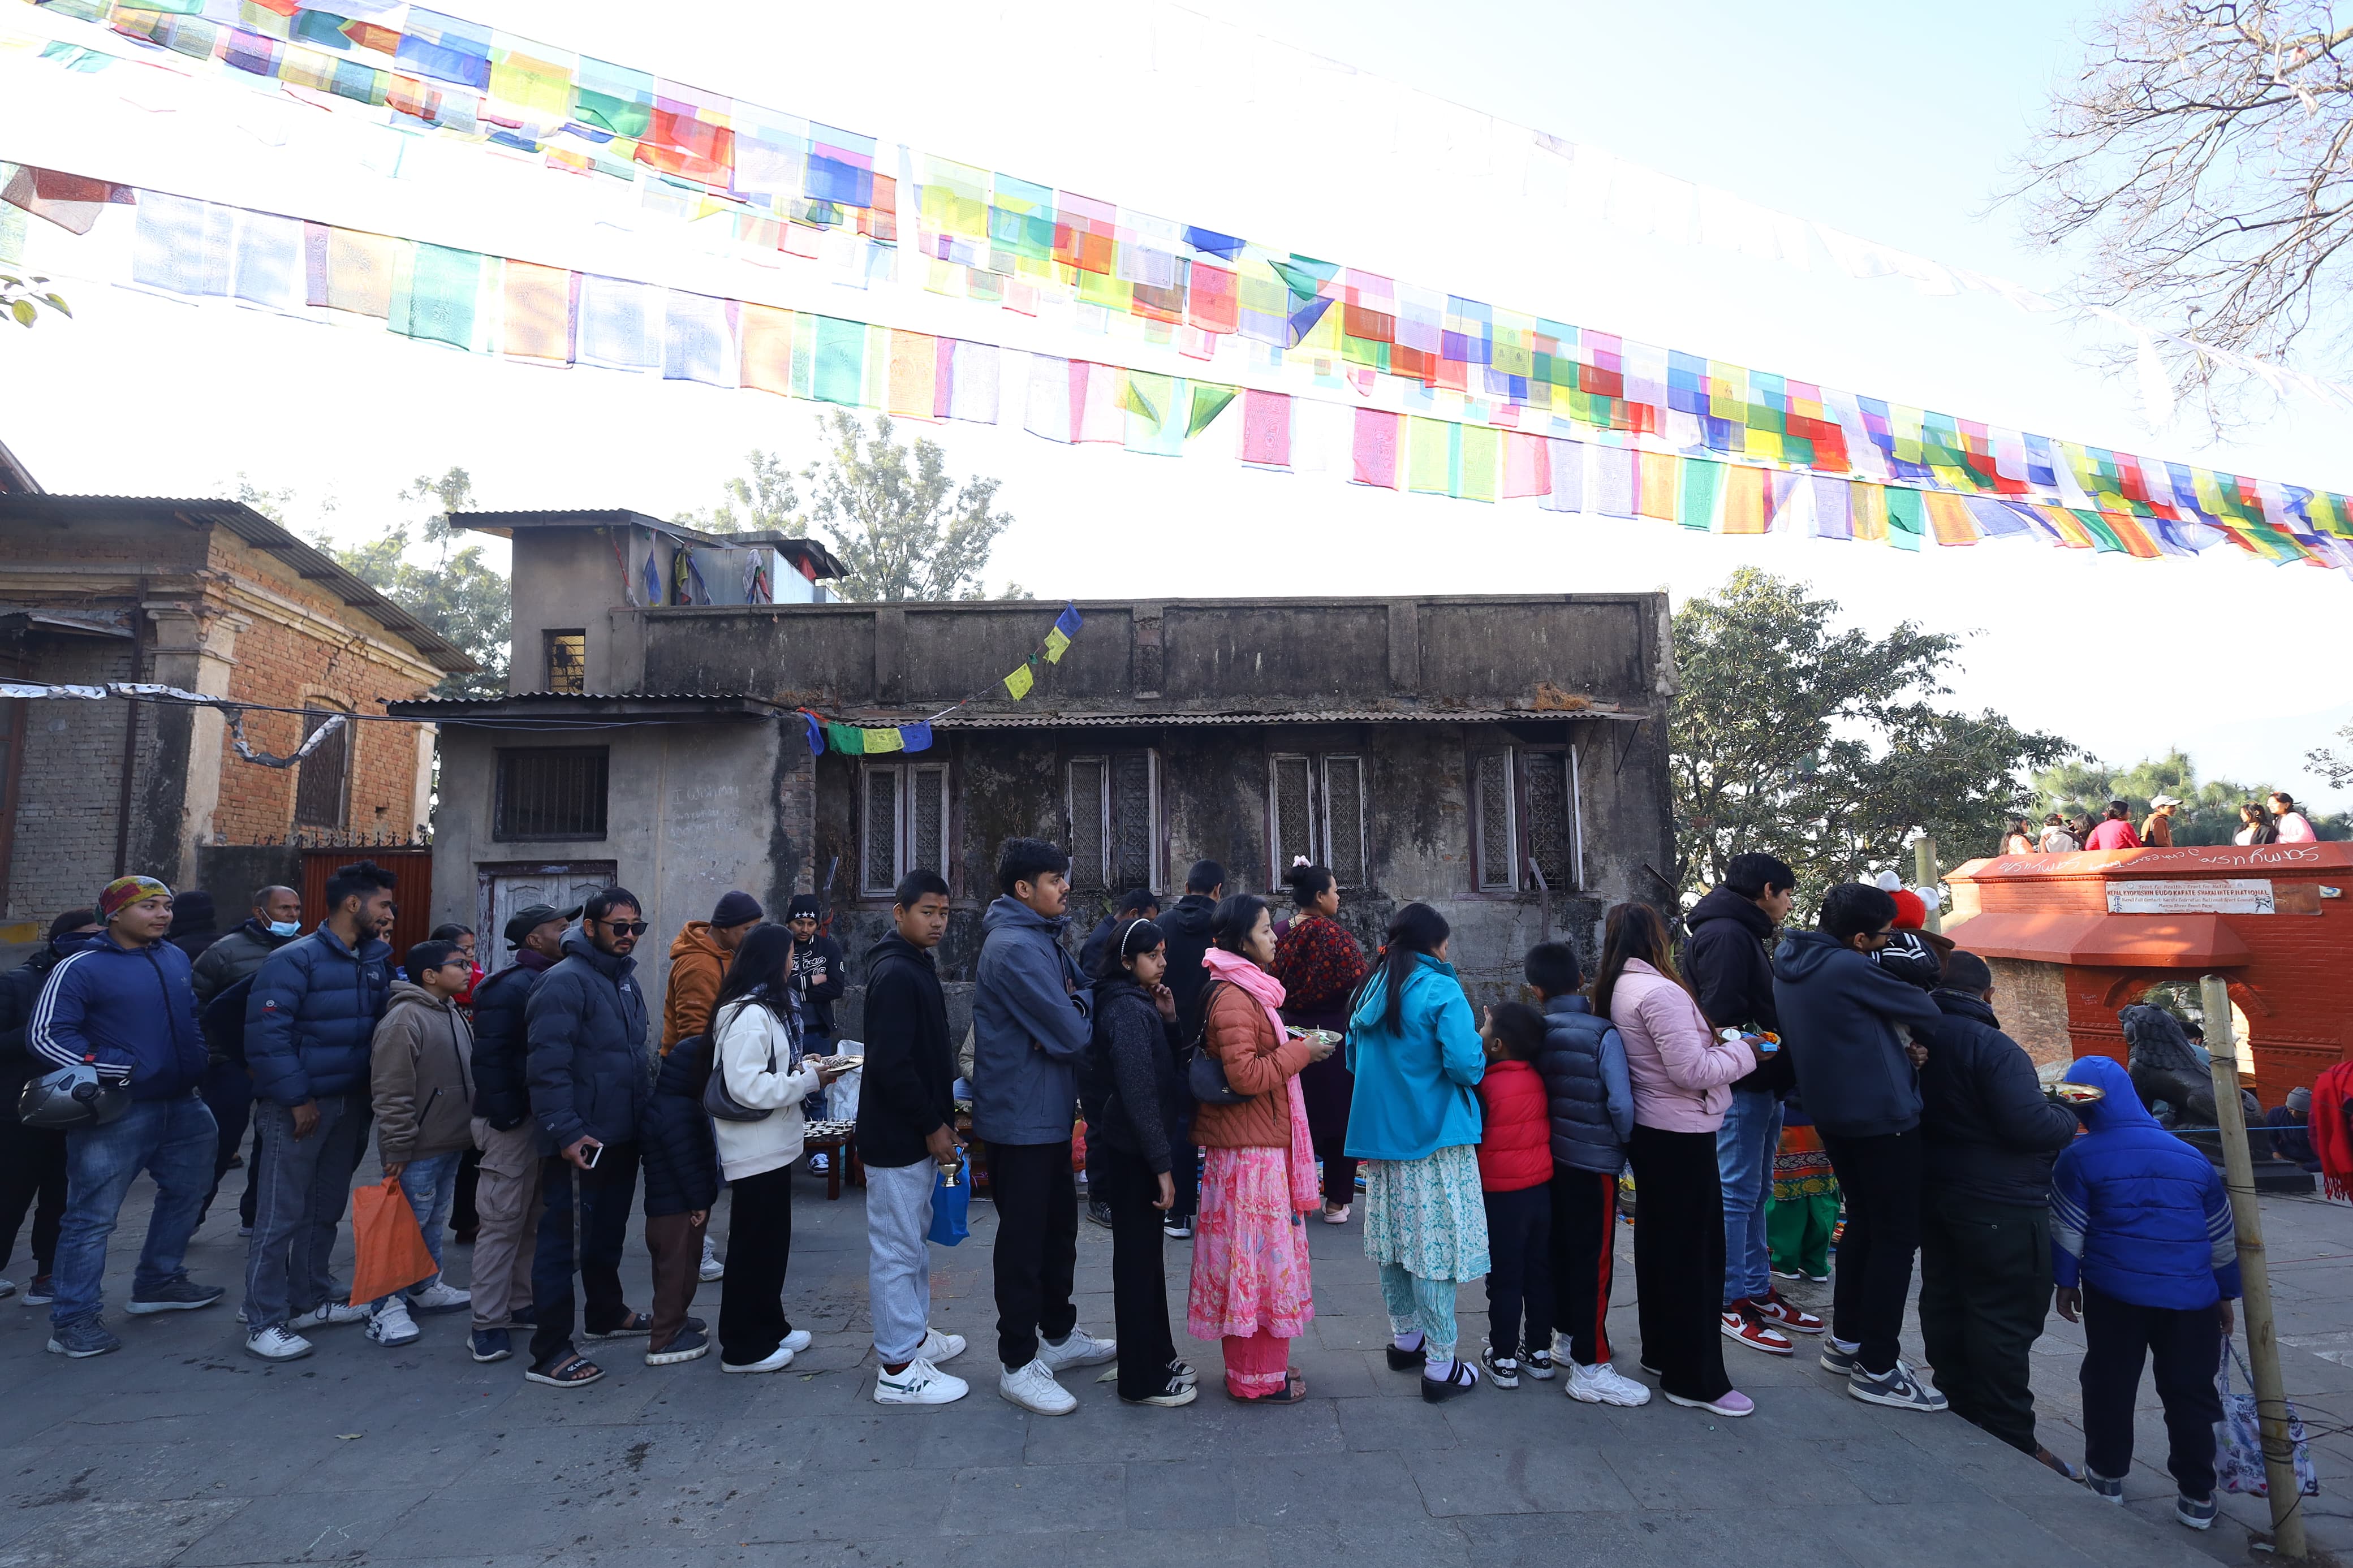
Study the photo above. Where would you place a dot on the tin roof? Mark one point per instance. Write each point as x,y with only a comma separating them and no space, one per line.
578,709
504,523
1195,717
308,560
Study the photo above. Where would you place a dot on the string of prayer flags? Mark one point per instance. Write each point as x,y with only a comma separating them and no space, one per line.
1066,626
823,735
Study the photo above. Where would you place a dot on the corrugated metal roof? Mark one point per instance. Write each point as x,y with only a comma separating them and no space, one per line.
309,562
529,710
505,523
1151,720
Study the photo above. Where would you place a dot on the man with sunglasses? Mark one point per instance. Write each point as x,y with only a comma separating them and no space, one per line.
591,1079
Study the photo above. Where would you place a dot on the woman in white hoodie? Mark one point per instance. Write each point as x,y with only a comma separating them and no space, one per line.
757,1045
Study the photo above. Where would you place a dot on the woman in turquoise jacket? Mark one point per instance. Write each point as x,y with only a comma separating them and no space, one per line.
1414,1118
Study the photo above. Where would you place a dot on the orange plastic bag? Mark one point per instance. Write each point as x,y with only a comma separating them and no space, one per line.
391,1251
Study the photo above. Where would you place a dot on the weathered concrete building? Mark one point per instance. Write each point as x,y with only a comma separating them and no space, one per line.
1501,757
211,597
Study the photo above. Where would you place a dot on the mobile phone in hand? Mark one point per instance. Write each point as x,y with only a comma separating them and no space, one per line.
590,1156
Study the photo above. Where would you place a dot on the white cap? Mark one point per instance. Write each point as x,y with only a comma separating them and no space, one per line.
2159,800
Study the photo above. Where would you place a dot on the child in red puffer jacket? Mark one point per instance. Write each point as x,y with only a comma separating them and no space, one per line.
1515,1173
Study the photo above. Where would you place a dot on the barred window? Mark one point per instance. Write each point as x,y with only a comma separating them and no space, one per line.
322,782
1316,807
1114,805
902,822
567,661
1525,819
550,793
1492,818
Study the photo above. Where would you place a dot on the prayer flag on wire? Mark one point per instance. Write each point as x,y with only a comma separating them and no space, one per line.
1019,683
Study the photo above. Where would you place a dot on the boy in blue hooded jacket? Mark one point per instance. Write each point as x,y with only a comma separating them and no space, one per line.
2146,1260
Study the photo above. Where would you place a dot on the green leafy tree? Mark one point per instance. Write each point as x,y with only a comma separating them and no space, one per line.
901,526
456,592
765,502
1825,746
2208,813
22,299
2336,767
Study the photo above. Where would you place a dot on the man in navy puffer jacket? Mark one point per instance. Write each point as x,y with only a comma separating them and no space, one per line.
309,1022
122,1000
2146,1257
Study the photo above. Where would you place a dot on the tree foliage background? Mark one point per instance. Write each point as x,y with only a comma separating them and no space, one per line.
1826,746
2201,167
902,527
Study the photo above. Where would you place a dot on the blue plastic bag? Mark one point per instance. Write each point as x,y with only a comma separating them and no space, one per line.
951,1203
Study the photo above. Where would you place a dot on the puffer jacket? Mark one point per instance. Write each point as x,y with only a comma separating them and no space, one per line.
422,1077
2136,1212
696,968
502,1046
682,1159
1725,962
132,1008
234,956
591,1073
310,1019
1589,1095
1515,1141
1681,1075
1030,1028
1260,1061
1987,1131
1417,1085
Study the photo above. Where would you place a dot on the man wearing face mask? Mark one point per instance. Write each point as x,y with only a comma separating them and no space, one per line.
227,1089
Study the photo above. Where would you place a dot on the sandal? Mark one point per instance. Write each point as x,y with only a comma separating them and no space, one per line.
1294,1390
577,1372
635,1323
1454,1385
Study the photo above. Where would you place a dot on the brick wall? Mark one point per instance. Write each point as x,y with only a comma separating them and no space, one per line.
2031,999
67,786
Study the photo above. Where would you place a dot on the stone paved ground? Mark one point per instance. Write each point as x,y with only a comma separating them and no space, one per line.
182,1450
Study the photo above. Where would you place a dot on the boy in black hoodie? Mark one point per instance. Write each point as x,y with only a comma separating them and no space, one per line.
906,1135
1860,1084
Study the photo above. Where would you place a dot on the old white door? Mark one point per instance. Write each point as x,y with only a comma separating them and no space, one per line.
506,888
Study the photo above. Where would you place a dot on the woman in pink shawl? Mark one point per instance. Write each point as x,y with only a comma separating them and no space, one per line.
1251,1287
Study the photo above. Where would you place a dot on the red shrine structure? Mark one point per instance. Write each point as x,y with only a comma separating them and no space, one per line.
2073,938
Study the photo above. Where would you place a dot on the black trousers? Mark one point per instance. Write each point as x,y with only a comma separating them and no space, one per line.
463,1219
2187,1346
1184,1170
751,1321
1985,1287
1584,1259
1678,1259
1139,1276
1036,1253
227,1092
1880,1177
32,1176
1519,1272
583,1228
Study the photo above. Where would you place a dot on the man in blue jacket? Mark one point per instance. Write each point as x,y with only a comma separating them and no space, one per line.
122,1002
310,1022
591,1076
2146,1257
1030,1026
1860,1084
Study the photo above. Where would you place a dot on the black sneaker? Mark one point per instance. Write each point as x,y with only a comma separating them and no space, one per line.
1538,1366
2105,1489
1503,1371
1835,1359
179,1295
1099,1211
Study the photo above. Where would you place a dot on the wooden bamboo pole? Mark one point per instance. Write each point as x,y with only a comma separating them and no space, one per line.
2254,1275
1924,876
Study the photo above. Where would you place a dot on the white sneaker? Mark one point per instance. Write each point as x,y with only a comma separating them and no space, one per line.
1604,1385
795,1341
938,1347
918,1383
820,1164
1081,1348
776,1361
712,1267
8,1289
331,1315
1032,1387
277,1343
439,1296
391,1325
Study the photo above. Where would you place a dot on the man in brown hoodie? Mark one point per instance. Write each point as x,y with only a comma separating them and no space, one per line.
699,958
421,1083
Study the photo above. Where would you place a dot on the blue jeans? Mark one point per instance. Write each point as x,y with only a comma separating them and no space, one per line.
173,1140
305,1184
1744,1147
429,1185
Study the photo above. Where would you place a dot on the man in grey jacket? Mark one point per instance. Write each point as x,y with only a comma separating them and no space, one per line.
1030,1026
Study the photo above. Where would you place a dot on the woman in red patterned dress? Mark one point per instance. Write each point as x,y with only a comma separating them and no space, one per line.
1320,966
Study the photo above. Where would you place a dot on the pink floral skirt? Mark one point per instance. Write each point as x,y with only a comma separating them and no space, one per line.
1249,1250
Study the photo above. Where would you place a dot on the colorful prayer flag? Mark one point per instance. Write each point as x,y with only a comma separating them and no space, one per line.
1019,682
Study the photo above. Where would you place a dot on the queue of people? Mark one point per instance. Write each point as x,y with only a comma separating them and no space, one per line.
2274,818
1307,1078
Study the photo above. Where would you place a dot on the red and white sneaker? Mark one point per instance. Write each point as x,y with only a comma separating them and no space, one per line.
1786,1315
1743,1322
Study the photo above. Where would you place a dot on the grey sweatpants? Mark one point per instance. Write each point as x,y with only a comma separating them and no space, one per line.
899,1262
